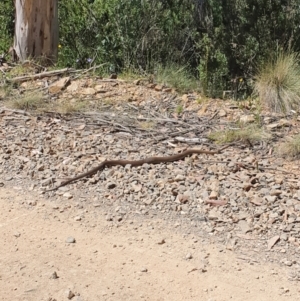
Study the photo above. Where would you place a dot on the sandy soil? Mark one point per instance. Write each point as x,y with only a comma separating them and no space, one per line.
140,259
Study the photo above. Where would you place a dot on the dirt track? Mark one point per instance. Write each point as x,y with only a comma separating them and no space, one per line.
119,263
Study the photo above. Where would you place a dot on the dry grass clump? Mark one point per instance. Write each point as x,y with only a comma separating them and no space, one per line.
147,125
291,147
251,133
278,82
67,107
36,102
27,102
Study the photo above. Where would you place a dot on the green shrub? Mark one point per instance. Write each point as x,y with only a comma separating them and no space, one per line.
6,25
177,77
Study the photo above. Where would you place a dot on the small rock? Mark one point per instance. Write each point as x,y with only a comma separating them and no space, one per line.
73,87
179,178
111,185
222,113
271,198
54,275
279,181
213,195
188,256
70,294
247,119
70,240
109,218
47,181
158,88
77,218
67,195
273,241
288,263
41,167
256,201
244,226
32,203
275,192
148,201
59,85
161,242
87,91
292,239
144,270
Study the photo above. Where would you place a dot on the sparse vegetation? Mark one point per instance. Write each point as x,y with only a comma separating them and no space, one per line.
147,125
278,82
67,107
217,43
291,147
27,102
179,109
36,102
177,77
250,133
202,100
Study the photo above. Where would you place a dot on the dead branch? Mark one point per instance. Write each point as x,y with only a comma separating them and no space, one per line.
41,75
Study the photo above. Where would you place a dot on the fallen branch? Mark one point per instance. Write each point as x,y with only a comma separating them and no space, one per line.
41,75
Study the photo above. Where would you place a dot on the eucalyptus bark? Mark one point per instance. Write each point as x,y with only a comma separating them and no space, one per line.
36,30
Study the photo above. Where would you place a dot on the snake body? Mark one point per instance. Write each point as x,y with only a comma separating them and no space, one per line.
150,160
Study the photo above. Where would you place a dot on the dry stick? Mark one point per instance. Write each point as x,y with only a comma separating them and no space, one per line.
88,70
171,135
150,160
109,122
40,75
191,140
167,120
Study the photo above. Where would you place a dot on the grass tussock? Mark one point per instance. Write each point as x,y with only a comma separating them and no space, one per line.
291,147
250,133
67,107
130,74
177,77
179,109
147,125
278,83
27,102
36,102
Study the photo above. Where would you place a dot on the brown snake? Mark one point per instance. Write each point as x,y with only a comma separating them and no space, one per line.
150,160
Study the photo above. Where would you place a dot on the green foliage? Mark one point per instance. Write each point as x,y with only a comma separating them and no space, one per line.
220,42
177,77
278,82
213,68
243,32
6,25
126,34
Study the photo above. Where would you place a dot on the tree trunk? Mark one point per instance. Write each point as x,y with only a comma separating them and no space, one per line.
36,30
